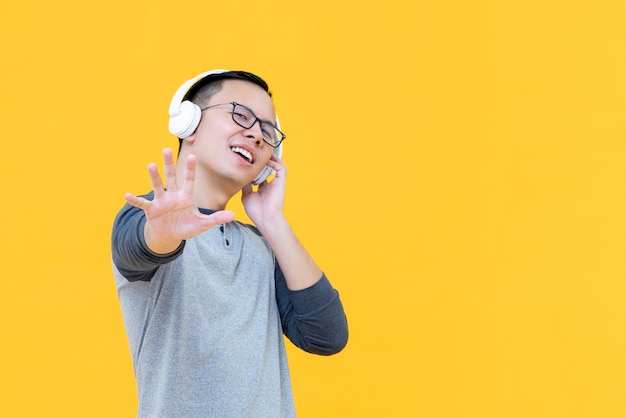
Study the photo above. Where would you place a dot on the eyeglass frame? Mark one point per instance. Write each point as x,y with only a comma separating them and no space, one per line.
256,118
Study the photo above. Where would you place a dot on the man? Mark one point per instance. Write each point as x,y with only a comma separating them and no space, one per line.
206,299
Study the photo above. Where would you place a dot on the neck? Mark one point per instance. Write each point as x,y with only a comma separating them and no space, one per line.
209,191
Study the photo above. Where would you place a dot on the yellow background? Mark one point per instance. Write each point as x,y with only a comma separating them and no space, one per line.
456,167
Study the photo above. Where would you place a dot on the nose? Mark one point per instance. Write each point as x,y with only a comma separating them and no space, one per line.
254,132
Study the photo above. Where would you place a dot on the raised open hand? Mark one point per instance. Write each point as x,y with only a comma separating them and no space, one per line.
172,216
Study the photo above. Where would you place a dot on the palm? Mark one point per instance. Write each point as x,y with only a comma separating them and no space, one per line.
174,215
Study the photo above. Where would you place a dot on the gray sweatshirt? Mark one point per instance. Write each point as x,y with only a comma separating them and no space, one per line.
205,323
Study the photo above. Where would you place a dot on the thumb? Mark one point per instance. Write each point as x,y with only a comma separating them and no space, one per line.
217,218
223,216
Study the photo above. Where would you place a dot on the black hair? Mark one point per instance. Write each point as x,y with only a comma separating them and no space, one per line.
228,75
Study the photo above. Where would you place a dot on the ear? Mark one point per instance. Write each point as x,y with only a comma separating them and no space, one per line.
191,138
188,141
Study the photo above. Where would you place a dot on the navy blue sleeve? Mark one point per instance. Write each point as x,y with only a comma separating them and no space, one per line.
132,257
313,318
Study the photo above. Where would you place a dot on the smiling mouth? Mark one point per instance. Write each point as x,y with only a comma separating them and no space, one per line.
243,153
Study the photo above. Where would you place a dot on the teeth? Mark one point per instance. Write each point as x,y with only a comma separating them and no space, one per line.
242,152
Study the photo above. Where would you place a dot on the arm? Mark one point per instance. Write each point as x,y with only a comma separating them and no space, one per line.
312,315
313,318
297,265
265,209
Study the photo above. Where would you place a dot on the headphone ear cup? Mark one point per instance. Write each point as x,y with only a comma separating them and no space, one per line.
184,122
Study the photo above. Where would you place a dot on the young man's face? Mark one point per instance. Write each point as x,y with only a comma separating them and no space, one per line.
222,147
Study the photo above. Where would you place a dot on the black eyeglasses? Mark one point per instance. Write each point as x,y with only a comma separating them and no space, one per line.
246,118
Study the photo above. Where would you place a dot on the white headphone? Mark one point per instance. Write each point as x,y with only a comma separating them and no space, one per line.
185,117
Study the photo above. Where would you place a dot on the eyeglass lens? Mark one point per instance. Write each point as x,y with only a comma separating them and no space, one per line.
246,119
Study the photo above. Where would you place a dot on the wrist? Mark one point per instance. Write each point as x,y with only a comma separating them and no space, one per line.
273,225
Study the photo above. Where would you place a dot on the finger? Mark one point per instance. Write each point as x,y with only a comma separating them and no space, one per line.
275,160
169,169
216,218
137,202
277,165
155,179
221,217
190,174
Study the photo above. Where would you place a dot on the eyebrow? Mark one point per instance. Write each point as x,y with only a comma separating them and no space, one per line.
255,115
